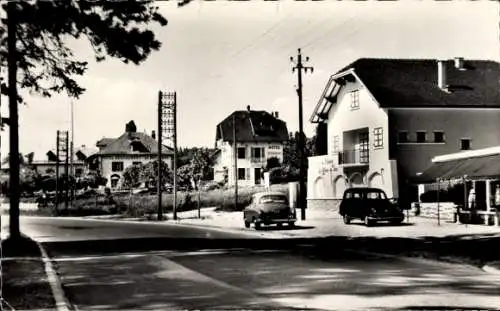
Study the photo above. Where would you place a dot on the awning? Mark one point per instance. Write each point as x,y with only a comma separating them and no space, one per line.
482,167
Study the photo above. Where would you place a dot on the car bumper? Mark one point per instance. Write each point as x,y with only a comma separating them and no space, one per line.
386,218
266,220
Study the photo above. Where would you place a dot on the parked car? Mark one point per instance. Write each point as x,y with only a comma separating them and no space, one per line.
370,205
269,208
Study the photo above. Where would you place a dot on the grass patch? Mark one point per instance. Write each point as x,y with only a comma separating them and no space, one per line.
222,199
25,284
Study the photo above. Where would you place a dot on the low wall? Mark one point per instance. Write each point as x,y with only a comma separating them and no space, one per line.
330,206
447,210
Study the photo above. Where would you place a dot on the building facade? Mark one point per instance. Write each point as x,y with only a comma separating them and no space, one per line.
258,135
132,147
387,118
47,166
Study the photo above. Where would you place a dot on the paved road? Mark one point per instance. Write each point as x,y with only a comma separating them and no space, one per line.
123,274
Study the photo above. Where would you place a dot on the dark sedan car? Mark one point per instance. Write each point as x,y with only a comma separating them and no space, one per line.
269,208
370,205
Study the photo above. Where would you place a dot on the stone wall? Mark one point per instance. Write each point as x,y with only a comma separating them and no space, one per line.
447,210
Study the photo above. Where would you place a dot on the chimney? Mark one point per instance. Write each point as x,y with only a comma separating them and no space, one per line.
248,108
153,134
276,115
442,74
459,63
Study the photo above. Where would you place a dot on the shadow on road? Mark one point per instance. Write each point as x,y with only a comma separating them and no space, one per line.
285,228
384,224
472,249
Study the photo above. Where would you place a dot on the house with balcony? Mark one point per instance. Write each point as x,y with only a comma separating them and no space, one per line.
258,136
132,147
387,118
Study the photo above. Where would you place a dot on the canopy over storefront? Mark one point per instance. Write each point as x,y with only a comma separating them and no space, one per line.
474,165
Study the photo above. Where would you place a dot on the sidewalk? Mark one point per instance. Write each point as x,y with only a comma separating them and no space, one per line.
323,223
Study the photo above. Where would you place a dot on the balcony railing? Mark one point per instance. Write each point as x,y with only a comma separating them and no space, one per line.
354,156
257,160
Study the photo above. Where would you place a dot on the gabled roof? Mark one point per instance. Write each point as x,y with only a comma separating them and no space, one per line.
413,83
122,145
252,126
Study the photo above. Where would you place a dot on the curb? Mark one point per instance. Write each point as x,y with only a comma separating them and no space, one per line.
55,284
491,270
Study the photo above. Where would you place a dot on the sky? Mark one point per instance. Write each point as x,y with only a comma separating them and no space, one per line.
221,56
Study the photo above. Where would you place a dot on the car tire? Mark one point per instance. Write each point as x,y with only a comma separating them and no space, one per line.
279,225
368,222
247,224
257,226
347,219
291,224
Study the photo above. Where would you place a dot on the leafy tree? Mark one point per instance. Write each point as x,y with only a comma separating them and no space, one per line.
149,173
272,163
198,169
132,176
45,62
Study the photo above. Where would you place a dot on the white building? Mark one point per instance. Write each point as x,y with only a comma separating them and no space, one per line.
260,135
132,147
387,118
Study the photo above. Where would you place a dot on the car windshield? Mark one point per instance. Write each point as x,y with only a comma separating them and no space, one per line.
374,195
371,195
273,199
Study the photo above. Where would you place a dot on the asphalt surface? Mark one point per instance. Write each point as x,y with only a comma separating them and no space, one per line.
111,265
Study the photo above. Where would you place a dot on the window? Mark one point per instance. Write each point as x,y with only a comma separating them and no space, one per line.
336,143
403,137
421,137
78,172
241,174
116,166
241,152
438,137
378,139
355,99
258,153
465,144
136,163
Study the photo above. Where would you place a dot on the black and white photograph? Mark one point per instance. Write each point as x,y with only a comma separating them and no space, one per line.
249,155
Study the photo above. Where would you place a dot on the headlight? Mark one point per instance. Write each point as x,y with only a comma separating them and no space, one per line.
374,211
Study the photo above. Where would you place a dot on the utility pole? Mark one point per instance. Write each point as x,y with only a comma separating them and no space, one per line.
66,175
301,143
14,192
235,157
174,109
56,199
160,112
167,122
72,153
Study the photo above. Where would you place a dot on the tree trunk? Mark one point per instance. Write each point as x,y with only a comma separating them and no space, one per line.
13,123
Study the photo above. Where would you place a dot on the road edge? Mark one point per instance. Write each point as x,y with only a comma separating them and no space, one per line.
416,259
60,298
